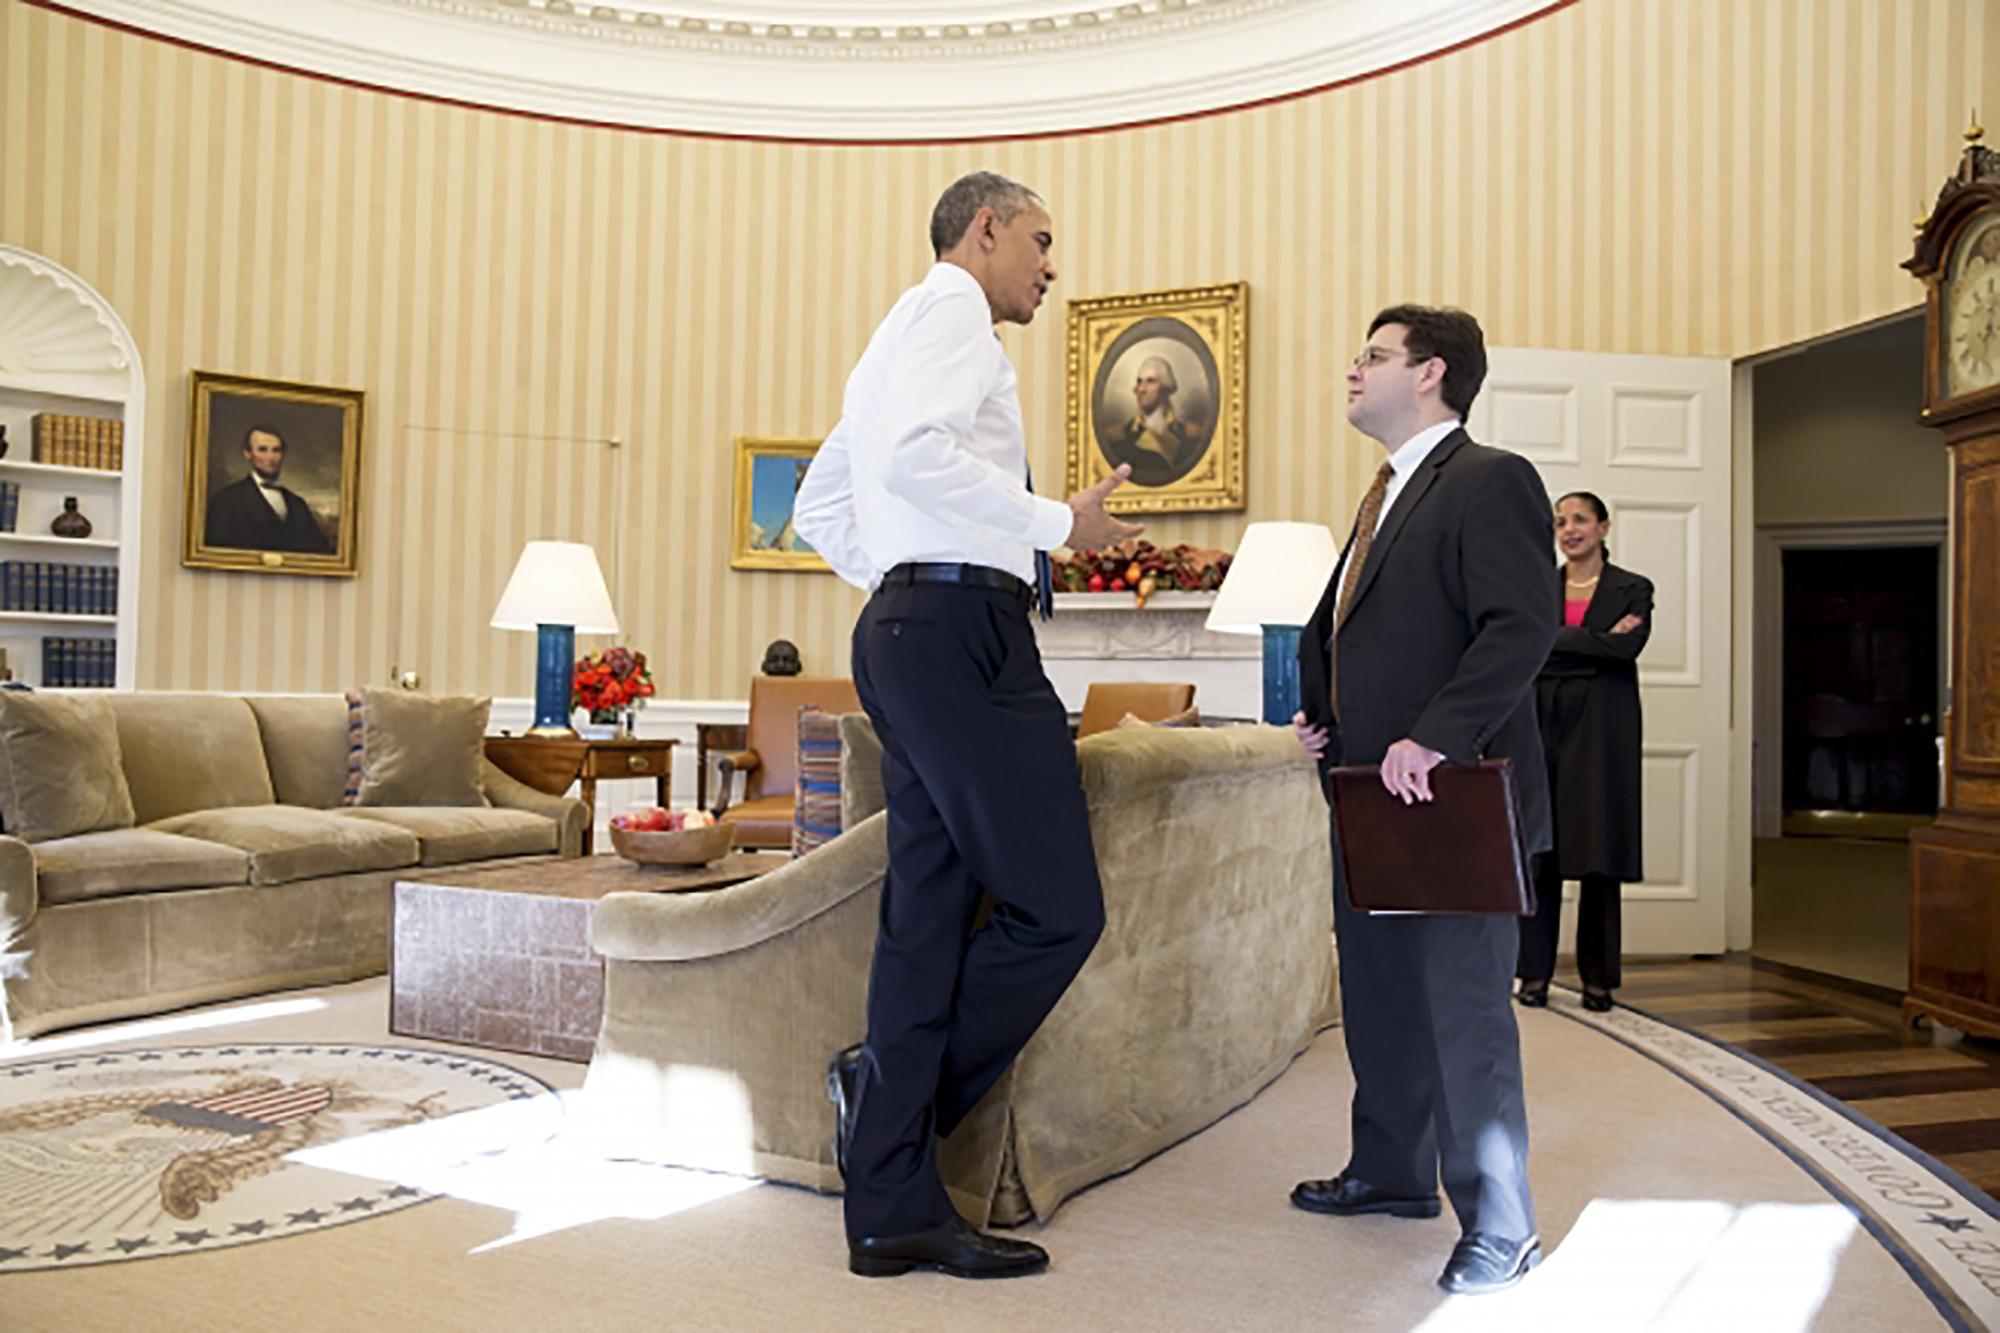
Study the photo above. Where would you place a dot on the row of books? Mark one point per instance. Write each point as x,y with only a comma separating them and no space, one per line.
10,505
69,440
75,663
52,588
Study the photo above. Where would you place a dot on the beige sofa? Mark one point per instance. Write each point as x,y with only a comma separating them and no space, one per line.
1215,969
238,869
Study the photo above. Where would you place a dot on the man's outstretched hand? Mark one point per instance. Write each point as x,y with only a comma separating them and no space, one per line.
1090,527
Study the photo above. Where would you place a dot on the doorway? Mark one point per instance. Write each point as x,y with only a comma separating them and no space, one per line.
1849,501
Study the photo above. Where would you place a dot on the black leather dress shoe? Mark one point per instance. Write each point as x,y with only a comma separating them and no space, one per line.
956,1248
1481,1263
1344,1196
1597,1001
840,1075
1533,995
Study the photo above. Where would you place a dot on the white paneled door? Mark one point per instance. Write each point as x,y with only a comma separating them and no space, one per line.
1651,435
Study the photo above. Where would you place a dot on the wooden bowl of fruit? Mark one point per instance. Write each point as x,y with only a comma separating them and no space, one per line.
659,837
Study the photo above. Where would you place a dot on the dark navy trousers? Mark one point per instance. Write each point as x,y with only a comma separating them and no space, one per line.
984,803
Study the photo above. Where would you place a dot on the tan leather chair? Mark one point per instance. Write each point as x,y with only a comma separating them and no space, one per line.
770,759
1107,702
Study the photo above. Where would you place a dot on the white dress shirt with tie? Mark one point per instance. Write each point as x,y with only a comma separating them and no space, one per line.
928,462
1405,459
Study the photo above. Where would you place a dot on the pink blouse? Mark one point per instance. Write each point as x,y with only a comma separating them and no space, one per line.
1573,611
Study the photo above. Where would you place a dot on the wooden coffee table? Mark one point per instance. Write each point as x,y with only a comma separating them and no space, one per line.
502,957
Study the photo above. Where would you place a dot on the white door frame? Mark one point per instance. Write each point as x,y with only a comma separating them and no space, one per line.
1768,679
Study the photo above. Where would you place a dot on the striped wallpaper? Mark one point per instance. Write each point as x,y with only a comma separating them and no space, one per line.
1710,177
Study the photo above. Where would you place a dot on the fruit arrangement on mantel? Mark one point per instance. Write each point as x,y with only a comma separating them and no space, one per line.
1142,569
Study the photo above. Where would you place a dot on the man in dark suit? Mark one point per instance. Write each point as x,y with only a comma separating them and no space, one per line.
1423,651
255,513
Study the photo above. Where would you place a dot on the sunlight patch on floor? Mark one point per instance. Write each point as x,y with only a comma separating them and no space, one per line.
541,1158
1658,1263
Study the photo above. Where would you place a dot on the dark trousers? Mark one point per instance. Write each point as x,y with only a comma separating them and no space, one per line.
1437,1061
983,801
1597,927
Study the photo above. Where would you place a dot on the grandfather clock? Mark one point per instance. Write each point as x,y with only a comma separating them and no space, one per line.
1955,863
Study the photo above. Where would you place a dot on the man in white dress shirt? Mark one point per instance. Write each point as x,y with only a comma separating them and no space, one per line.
921,496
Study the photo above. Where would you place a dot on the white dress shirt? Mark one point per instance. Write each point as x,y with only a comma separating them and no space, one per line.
928,462
1406,458
272,497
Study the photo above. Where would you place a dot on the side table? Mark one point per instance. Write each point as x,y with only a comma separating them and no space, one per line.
551,764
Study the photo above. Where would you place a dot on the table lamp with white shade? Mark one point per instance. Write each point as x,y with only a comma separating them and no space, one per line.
558,591
1275,580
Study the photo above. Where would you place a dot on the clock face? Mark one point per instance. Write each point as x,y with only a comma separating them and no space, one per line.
1971,351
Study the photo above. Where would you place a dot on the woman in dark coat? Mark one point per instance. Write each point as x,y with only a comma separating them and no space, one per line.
1587,698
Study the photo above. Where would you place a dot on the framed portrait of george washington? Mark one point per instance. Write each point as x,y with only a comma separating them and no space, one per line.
1156,379
768,476
273,476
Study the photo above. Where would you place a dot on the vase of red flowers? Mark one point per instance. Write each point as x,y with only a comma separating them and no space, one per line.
614,681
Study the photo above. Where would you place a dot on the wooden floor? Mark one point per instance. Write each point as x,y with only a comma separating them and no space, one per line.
1847,1041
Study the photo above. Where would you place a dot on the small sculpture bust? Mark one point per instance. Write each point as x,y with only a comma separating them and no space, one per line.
782,659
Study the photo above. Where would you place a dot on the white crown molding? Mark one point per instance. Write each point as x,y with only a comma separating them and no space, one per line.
827,70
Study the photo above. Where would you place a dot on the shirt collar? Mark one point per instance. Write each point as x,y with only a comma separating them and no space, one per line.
1410,454
951,278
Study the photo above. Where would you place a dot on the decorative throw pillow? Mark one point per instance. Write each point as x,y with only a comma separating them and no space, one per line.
351,793
419,749
816,798
61,772
1187,717
861,793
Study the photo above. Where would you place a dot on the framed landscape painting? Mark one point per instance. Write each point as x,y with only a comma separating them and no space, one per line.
768,475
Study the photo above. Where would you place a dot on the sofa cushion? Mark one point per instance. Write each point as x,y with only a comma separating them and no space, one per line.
421,749
816,800
132,860
305,745
287,843
451,835
60,769
186,752
860,770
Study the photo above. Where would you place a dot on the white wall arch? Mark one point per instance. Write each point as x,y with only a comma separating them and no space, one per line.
835,70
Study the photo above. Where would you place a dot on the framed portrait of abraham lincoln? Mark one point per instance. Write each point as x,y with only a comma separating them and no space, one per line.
273,476
1156,380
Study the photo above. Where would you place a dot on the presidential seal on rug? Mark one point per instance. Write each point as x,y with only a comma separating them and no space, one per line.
135,1154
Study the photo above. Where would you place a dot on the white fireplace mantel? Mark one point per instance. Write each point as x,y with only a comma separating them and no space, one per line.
1106,637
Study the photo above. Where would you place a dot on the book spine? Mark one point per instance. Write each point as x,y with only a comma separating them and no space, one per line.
117,445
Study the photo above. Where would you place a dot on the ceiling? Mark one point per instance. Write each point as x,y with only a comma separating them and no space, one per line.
835,70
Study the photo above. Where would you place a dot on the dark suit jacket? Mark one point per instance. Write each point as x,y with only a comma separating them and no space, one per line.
1588,699
238,517
1451,621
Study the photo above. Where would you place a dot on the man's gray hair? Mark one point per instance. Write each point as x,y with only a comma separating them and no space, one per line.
1165,370
963,199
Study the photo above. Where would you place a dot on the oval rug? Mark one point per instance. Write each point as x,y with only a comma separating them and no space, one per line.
136,1154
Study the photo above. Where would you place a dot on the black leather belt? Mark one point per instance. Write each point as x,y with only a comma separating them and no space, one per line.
969,576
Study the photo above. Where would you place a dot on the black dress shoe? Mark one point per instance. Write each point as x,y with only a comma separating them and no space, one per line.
840,1076
1597,1001
1344,1196
1533,995
956,1248
1481,1263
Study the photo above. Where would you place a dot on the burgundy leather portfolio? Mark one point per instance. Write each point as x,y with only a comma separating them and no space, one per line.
1459,854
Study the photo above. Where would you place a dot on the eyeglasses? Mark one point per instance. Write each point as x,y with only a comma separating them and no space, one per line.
1375,356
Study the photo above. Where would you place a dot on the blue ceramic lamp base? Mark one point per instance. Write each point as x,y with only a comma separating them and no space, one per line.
555,657
1281,674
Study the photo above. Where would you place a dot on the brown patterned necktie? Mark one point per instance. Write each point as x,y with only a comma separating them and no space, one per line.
1365,524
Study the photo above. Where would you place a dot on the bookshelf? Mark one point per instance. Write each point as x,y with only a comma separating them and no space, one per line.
67,602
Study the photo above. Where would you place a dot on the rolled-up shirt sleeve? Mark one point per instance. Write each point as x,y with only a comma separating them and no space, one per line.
823,512
945,366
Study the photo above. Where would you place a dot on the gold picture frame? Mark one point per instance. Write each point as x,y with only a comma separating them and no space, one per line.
768,473
273,476
1157,379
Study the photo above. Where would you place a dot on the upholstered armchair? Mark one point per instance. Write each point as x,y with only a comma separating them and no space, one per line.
769,761
1108,701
